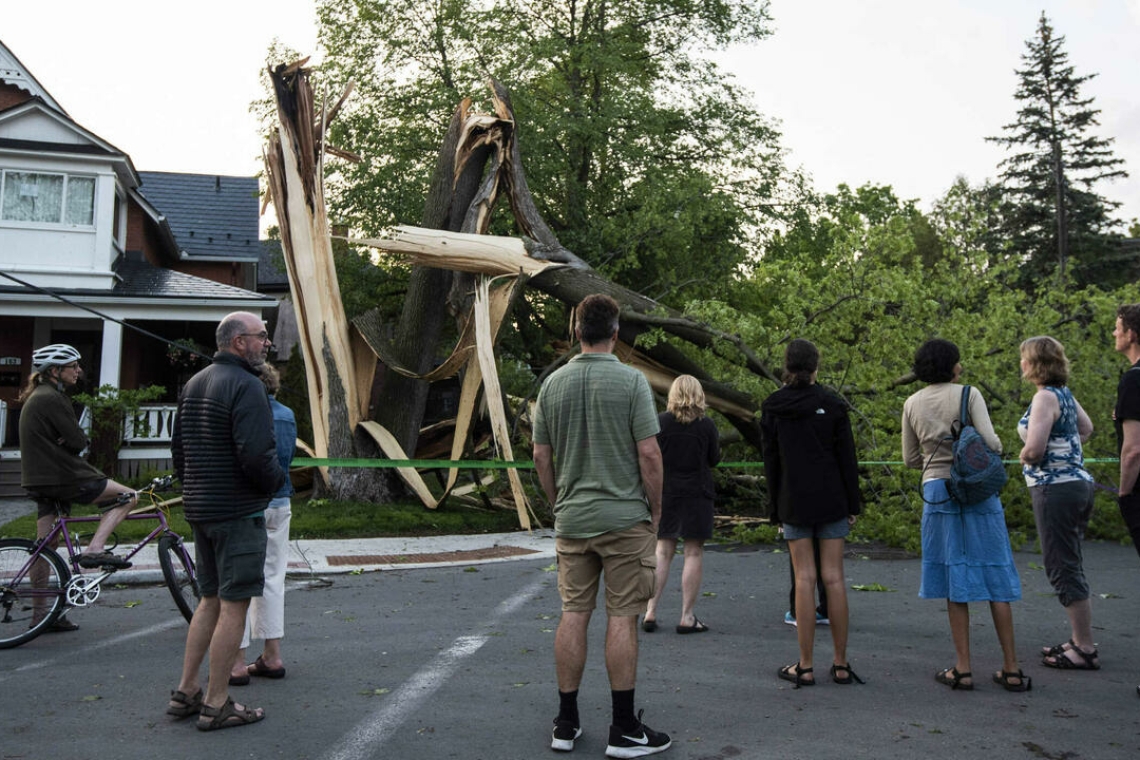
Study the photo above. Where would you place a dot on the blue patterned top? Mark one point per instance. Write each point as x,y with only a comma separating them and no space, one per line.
1063,460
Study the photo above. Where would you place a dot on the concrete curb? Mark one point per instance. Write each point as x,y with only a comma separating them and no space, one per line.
331,557
356,555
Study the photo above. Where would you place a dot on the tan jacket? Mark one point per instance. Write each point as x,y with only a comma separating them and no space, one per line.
926,420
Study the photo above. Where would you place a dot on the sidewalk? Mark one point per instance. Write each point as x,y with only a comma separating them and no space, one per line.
323,557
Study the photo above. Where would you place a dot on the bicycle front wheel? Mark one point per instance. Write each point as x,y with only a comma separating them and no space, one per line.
178,570
31,590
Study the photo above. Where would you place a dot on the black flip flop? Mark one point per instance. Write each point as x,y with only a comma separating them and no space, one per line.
696,627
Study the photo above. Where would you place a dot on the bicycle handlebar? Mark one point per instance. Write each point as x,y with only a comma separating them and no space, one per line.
158,484
161,484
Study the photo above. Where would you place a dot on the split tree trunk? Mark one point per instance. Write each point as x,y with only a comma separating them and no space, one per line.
334,371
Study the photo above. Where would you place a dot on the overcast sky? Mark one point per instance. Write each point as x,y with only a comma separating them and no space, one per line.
897,92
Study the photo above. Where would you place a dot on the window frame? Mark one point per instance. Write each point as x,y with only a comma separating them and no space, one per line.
61,222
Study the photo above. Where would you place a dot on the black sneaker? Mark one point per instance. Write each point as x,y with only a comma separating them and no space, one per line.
637,743
565,733
104,559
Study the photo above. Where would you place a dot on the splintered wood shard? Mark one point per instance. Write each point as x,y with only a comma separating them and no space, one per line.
292,165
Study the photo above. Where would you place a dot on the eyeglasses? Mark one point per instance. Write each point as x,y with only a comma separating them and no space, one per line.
263,336
73,365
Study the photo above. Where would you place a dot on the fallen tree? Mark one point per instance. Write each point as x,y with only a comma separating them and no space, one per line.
459,272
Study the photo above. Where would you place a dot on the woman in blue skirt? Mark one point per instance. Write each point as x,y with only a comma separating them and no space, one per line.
966,556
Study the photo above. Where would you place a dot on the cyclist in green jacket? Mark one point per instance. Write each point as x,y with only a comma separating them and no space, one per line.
51,467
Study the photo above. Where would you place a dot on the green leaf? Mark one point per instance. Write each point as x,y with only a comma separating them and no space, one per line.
871,587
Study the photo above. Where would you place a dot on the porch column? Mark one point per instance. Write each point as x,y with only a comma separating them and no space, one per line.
109,367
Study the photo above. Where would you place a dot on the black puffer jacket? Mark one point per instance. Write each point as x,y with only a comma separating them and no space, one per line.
809,456
223,445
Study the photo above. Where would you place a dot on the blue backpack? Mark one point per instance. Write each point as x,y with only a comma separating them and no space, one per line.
976,472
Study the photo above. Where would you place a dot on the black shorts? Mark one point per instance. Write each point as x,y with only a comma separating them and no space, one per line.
83,492
230,557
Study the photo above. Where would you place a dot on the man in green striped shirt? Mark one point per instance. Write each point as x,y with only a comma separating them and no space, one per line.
596,455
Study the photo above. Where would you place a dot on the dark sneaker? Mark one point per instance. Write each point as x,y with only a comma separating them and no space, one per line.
637,743
565,733
103,559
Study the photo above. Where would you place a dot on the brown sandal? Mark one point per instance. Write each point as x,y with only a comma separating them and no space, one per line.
227,716
184,705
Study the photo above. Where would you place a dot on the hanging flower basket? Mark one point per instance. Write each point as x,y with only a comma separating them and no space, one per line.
182,357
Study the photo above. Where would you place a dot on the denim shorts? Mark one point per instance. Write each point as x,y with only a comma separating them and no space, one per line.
838,529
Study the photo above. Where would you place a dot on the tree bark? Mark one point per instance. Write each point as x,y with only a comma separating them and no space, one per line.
403,399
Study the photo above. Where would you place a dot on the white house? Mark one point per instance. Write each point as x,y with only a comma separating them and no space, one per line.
87,255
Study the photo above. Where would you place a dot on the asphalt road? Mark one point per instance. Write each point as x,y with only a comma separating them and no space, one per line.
457,663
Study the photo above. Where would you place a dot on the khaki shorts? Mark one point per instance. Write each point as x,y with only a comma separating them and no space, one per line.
627,557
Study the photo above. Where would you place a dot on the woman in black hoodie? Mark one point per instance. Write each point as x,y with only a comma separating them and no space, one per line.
813,489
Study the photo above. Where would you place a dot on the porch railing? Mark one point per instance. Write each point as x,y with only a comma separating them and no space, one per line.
151,426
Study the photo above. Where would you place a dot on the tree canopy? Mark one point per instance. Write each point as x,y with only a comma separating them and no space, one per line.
642,154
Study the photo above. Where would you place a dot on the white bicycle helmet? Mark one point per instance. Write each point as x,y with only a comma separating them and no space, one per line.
55,355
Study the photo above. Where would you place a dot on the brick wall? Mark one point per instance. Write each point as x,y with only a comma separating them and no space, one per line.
11,95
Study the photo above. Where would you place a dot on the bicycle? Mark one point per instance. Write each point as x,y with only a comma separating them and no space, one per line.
37,586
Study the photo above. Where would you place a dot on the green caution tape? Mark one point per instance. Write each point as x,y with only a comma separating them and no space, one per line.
499,464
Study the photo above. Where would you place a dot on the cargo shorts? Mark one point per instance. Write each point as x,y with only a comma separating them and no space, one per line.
628,560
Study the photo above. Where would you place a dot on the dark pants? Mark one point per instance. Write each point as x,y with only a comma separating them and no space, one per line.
822,608
1130,511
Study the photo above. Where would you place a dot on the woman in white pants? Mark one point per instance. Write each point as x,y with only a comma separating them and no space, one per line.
266,619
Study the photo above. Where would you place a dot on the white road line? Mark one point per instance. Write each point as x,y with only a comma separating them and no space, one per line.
74,653
368,737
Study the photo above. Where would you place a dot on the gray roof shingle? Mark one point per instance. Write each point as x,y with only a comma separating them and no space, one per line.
140,278
271,274
212,216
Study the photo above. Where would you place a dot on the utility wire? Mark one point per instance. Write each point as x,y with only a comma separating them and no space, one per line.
101,315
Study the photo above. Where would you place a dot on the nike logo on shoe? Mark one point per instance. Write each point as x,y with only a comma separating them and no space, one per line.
643,739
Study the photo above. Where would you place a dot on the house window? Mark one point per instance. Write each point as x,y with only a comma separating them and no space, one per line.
120,222
47,198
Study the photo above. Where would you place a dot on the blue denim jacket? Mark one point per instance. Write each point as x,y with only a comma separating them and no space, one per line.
285,430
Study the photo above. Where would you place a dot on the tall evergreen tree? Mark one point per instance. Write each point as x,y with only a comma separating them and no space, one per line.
1054,218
